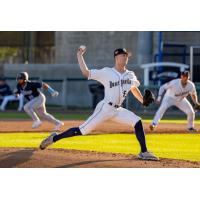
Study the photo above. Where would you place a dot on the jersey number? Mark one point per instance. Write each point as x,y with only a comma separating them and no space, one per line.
124,93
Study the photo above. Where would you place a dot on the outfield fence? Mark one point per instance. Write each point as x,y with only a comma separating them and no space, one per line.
74,93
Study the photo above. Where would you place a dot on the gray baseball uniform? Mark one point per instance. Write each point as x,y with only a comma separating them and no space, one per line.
36,101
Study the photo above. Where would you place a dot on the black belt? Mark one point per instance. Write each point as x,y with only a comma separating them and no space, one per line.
112,104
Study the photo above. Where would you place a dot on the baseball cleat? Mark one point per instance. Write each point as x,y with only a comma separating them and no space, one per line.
48,141
192,130
58,126
152,127
36,124
147,156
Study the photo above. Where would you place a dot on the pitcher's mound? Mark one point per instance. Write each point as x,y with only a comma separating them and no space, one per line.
29,157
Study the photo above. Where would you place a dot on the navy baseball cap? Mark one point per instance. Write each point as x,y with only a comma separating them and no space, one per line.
185,73
121,51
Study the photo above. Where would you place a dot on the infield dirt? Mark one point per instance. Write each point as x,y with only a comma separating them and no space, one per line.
106,127
59,158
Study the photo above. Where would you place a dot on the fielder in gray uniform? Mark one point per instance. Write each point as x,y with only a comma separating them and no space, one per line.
176,94
117,81
36,100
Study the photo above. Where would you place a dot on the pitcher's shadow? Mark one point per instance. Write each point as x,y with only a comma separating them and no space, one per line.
13,159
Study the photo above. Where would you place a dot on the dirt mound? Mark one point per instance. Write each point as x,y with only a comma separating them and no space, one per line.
59,158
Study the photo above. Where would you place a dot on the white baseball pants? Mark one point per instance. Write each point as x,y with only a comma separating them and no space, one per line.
183,105
37,107
8,98
104,112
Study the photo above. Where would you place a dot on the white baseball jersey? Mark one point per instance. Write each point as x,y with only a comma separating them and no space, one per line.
175,89
176,96
116,86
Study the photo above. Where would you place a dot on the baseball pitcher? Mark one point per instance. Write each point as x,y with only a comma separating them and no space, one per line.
36,100
176,94
117,81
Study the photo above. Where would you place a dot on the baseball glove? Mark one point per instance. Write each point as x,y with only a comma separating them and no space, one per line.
148,97
197,107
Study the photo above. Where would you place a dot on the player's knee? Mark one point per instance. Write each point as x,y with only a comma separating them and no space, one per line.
26,108
191,113
43,114
139,125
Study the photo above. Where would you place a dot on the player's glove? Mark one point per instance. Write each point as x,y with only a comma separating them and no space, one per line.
148,97
197,107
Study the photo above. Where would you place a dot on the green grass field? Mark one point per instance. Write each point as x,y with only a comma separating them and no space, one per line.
69,116
22,115
177,146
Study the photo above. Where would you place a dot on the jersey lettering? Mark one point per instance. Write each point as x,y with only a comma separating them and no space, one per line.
182,94
116,85
123,82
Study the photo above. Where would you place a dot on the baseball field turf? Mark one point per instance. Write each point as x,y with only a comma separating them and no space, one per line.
177,146
172,145
177,119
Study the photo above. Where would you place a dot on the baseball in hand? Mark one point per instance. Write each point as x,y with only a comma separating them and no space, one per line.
82,47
